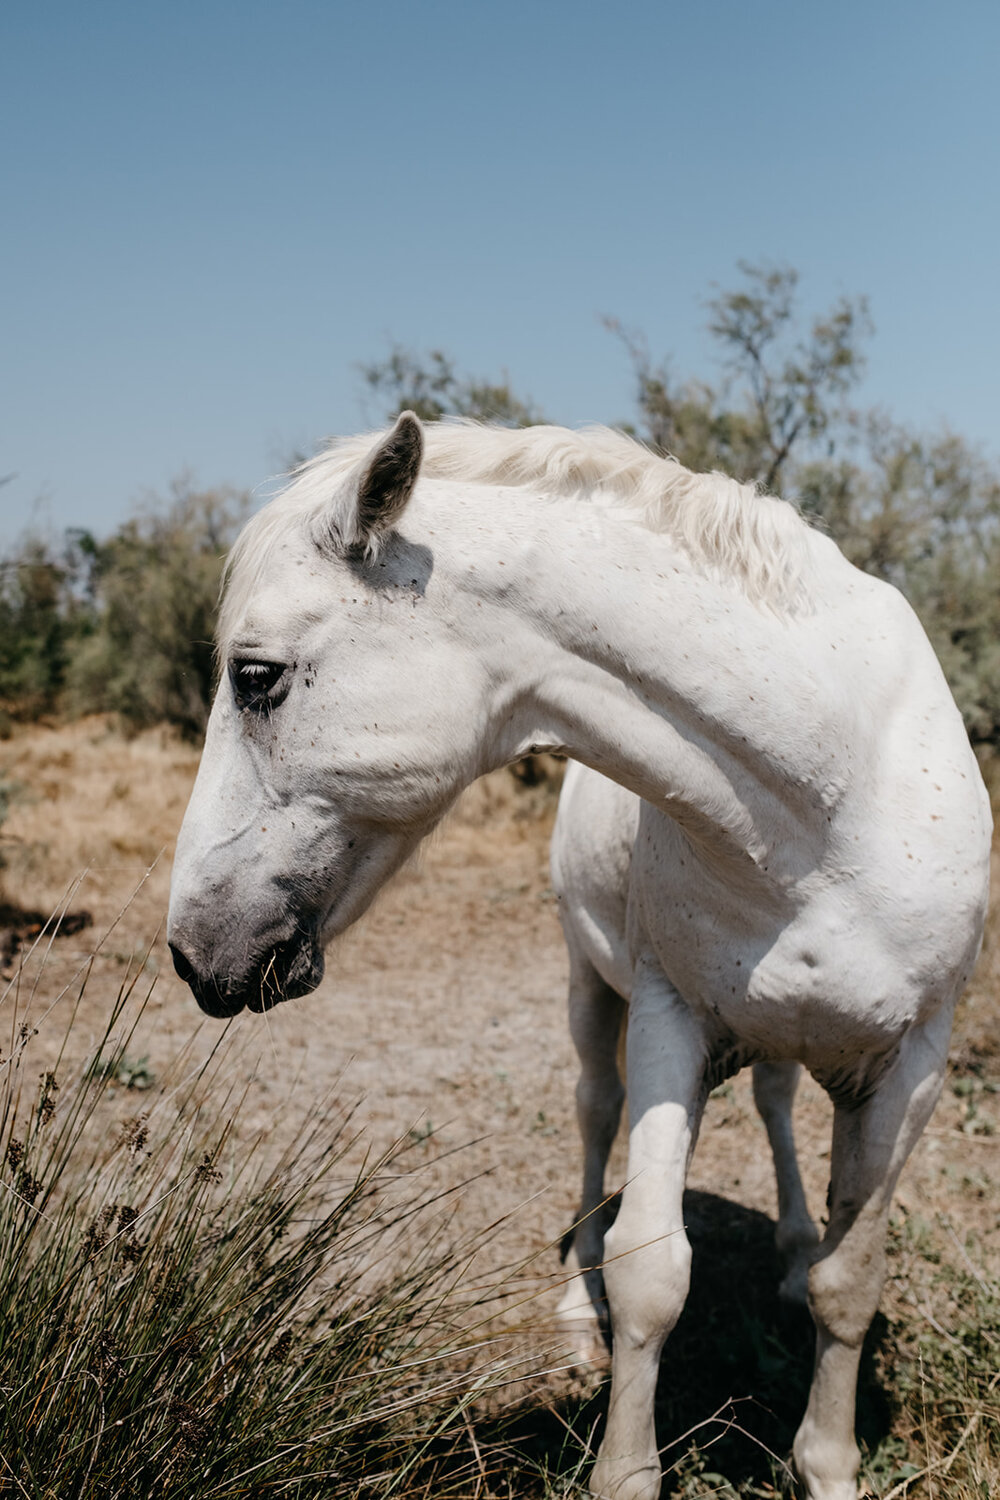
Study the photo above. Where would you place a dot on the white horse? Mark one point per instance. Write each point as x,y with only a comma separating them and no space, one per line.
595,833
809,877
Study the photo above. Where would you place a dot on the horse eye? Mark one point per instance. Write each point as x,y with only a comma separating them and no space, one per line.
254,682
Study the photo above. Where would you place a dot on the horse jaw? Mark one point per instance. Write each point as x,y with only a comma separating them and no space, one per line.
248,923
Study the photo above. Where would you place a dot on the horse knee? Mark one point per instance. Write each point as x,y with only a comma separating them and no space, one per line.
844,1288
646,1279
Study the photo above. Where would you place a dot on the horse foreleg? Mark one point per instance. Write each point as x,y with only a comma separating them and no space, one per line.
774,1086
595,1019
871,1142
647,1257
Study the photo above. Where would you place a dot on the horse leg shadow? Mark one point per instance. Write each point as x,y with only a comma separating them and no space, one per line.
735,1372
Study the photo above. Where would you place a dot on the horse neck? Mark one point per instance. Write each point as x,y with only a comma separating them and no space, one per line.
616,649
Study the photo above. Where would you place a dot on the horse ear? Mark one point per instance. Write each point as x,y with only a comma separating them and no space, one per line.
385,484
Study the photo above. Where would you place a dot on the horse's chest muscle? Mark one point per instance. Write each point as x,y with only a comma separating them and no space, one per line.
805,975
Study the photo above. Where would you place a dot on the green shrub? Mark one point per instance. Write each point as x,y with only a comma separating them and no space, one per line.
150,655
44,609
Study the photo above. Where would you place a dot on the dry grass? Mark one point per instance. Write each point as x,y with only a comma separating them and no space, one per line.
88,800
184,1315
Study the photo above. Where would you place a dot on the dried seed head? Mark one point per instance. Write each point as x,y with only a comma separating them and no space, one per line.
191,1427
108,1361
205,1171
126,1217
281,1348
28,1187
100,1230
135,1134
46,1100
133,1250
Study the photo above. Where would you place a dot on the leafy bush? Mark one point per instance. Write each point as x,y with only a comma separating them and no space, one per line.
44,608
149,656
924,514
782,389
431,387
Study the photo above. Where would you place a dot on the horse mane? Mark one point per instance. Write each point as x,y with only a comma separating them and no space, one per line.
731,529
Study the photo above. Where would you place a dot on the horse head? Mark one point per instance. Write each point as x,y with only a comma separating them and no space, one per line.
335,740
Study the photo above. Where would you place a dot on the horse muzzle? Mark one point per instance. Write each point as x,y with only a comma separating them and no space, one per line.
283,972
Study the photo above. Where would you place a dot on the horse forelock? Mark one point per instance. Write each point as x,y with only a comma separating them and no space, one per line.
732,529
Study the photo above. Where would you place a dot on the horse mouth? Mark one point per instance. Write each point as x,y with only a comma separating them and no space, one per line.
285,971
291,970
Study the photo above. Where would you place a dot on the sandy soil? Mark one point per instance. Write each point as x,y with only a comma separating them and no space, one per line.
443,1013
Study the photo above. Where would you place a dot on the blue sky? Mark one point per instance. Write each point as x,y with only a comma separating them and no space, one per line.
213,211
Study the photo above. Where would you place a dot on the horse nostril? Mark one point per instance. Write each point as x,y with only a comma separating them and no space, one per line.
184,969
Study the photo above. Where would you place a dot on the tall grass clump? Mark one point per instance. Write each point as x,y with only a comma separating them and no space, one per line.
185,1313
939,1363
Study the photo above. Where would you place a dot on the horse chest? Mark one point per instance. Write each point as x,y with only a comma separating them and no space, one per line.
810,977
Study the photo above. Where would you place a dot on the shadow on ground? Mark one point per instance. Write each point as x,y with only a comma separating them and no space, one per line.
20,926
734,1377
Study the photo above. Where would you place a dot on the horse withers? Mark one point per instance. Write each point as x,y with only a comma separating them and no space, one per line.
808,878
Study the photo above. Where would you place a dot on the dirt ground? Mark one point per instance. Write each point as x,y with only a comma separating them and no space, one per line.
443,1013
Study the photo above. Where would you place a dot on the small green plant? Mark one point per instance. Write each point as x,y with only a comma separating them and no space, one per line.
129,1072
971,1088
